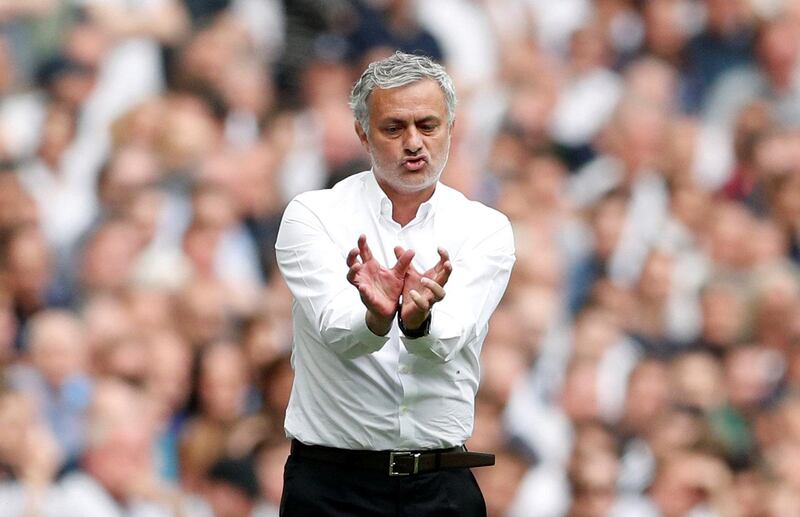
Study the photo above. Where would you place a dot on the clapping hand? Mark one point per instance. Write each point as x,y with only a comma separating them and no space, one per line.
422,290
380,288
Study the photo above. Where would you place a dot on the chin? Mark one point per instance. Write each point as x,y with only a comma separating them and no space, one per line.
409,187
407,182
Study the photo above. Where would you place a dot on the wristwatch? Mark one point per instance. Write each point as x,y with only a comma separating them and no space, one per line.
423,329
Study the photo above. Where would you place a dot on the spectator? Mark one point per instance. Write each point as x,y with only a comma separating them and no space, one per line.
771,77
167,381
57,379
725,42
31,277
222,400
29,456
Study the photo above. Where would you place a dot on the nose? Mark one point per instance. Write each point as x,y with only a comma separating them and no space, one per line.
413,141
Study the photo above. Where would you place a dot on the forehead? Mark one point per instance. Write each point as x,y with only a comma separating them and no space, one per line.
420,98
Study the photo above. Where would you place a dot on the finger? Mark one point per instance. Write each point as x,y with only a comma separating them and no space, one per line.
403,262
419,300
444,256
437,290
398,252
352,257
402,269
351,274
444,274
363,248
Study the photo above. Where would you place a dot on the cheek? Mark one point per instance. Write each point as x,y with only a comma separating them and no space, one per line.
440,144
388,148
383,154
441,151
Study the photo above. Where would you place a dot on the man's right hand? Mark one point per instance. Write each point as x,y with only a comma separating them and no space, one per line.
380,288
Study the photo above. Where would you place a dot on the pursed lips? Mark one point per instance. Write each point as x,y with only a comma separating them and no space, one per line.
415,163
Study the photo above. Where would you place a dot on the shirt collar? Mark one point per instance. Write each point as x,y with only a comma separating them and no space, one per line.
377,199
380,203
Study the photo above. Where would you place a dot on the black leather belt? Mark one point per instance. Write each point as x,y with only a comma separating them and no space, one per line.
395,463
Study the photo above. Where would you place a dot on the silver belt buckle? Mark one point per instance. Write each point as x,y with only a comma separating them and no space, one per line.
393,455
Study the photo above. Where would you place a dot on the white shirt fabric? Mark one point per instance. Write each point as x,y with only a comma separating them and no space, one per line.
303,168
356,390
65,199
543,492
585,105
131,70
21,120
465,34
265,22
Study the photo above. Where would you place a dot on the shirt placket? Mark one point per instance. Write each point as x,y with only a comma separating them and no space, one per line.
392,234
408,389
408,237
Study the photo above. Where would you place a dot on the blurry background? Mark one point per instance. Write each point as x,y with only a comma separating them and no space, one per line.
644,362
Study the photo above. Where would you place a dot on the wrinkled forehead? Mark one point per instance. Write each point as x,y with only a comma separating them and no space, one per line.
419,98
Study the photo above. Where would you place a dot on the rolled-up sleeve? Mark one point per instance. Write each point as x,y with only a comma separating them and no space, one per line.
315,270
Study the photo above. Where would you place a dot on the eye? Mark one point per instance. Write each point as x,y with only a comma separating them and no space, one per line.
428,128
392,130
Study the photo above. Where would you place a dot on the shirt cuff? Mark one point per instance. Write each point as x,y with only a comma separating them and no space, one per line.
362,334
438,344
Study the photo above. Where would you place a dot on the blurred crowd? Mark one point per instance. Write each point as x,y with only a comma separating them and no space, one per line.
644,362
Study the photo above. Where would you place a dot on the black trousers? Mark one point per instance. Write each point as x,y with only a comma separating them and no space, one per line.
316,489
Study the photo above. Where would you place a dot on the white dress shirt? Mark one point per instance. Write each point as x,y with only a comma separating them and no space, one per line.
356,390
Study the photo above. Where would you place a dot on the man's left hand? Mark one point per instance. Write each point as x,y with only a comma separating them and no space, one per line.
422,290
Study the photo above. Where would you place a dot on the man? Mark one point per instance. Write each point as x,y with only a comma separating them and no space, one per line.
56,377
386,365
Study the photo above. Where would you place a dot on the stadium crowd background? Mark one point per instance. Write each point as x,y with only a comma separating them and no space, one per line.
644,362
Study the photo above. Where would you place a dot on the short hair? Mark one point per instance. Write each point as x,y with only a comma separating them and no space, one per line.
397,70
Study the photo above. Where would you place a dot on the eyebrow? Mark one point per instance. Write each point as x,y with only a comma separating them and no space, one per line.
429,118
423,120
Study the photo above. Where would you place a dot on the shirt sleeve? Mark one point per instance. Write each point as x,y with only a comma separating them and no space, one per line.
479,279
316,272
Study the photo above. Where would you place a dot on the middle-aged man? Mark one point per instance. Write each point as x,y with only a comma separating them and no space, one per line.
387,366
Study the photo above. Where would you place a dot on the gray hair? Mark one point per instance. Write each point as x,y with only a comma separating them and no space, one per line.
397,70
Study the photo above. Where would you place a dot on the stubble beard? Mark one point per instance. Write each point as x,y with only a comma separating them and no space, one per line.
395,177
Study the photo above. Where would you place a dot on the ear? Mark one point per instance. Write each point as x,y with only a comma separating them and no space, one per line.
362,135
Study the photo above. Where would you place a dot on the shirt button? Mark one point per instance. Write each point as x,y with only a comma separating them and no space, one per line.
403,409
403,369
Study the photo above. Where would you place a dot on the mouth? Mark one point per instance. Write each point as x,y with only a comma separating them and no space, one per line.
415,163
